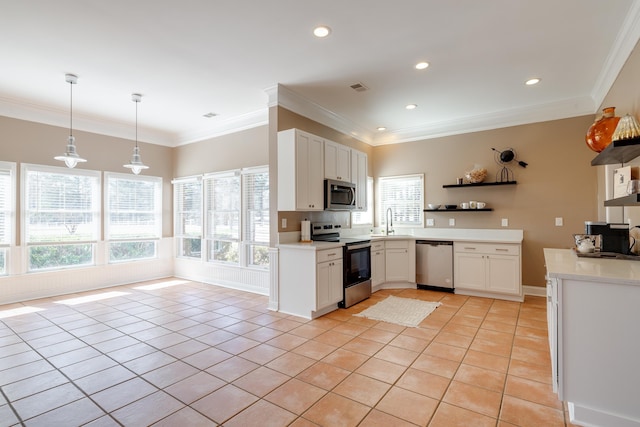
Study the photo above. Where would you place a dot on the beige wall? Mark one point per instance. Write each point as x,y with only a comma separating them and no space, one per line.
233,151
559,182
29,142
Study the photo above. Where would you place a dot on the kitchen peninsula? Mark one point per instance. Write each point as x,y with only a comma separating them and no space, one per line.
593,316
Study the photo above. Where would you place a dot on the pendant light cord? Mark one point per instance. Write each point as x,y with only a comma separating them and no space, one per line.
137,102
71,110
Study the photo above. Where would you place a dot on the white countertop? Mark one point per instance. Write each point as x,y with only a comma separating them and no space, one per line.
291,239
565,264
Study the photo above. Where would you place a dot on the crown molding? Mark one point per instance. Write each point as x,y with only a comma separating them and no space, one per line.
297,103
495,120
224,127
625,42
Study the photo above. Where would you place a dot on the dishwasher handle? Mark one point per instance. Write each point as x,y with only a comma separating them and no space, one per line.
434,242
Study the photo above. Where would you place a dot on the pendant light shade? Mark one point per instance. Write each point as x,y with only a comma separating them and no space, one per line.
70,156
136,164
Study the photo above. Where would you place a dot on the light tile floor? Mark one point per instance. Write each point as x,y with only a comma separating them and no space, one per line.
179,353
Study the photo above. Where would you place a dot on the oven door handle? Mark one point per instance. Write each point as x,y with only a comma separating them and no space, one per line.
356,247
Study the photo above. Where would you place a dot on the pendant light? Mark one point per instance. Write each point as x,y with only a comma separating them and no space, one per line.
136,164
70,157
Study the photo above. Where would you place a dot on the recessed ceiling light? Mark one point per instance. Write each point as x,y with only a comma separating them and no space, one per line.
321,31
532,82
381,128
411,106
421,65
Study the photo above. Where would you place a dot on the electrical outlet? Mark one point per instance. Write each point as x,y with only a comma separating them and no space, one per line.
430,222
559,222
452,222
505,222
284,222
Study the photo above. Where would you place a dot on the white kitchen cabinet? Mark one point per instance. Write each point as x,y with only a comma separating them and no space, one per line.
300,171
378,267
329,278
400,261
310,282
487,269
359,172
337,161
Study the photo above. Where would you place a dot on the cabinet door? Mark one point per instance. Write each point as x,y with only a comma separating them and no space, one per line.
329,283
397,265
470,271
336,283
309,173
378,270
337,161
323,289
503,274
359,177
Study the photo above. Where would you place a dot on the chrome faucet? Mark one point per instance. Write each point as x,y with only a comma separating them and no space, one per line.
389,222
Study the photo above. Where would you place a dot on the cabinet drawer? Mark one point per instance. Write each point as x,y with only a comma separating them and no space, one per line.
329,255
397,244
376,246
487,248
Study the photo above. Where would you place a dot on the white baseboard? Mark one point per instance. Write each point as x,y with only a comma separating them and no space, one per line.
537,291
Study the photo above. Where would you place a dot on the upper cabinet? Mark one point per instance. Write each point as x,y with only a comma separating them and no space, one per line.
300,171
337,161
359,174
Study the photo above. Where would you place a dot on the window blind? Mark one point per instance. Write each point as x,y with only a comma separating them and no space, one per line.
61,205
134,207
255,190
405,196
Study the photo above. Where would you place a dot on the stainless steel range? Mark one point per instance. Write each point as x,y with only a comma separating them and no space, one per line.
356,260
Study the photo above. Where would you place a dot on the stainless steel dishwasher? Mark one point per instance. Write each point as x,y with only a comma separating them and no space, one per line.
434,264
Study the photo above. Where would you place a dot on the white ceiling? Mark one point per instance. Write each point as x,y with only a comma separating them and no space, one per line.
192,57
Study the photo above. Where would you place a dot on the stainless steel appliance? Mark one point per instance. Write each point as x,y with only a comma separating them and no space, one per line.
356,261
434,264
614,236
339,195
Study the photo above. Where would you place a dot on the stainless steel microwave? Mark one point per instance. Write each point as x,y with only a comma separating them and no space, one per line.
339,195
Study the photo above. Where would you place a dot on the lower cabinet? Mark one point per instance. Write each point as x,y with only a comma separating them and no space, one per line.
378,267
328,278
486,269
400,261
310,282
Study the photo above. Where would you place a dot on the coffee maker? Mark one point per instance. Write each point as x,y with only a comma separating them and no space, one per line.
615,236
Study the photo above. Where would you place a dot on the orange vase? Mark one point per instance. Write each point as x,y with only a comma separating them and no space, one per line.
600,132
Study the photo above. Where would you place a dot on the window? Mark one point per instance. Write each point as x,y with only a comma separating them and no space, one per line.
61,209
365,217
405,196
222,208
7,211
187,202
133,216
255,190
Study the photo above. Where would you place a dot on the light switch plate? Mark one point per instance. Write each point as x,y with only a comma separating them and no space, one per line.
452,222
559,222
430,222
505,222
284,222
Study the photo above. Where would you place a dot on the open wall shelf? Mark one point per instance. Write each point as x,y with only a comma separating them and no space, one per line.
479,184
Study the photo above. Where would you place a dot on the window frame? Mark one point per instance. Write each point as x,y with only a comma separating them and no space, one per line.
209,238
180,237
157,212
10,212
382,205
95,212
247,243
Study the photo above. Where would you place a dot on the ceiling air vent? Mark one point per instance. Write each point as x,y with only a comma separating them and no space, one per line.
209,115
359,87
